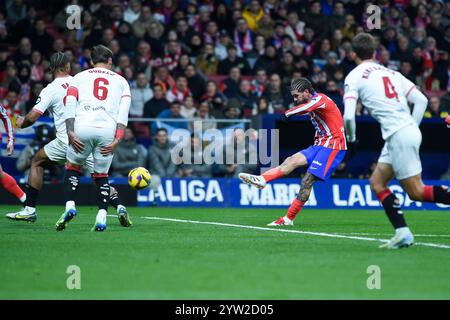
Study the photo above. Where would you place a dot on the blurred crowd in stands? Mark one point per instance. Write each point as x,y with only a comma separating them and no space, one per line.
228,59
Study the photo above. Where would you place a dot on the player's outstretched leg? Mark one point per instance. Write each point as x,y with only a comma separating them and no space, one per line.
122,213
379,181
289,165
103,191
10,185
298,203
35,179
71,183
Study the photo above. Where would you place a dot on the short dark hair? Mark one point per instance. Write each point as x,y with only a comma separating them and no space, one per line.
301,84
363,45
161,129
100,54
58,61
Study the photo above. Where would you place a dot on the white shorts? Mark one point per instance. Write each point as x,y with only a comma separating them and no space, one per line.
56,151
94,139
401,151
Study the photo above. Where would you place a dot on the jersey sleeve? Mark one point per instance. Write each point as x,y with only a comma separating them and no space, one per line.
306,107
351,87
71,99
7,124
124,106
44,101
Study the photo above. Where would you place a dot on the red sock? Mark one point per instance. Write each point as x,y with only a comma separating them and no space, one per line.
11,186
428,193
383,195
272,174
294,209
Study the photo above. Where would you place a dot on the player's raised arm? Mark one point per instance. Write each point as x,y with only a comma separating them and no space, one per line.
305,107
9,130
414,96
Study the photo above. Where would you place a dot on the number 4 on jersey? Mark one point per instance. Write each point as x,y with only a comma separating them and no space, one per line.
389,89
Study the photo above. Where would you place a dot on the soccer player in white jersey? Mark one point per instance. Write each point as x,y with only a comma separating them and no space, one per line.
385,94
97,101
52,98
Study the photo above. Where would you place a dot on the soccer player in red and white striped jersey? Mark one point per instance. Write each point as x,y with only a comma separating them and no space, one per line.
322,158
6,181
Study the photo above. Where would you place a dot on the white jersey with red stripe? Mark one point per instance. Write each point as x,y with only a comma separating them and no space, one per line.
326,119
99,92
384,93
7,124
52,98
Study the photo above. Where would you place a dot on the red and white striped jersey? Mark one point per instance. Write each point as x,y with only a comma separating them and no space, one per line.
326,119
7,124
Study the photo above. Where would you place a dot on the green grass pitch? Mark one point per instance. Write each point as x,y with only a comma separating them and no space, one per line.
162,259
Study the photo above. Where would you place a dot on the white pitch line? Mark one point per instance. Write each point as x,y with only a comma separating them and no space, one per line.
321,234
386,234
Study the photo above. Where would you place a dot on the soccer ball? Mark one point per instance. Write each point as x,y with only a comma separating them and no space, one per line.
139,178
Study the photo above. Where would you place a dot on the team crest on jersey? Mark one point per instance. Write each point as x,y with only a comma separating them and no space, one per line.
87,108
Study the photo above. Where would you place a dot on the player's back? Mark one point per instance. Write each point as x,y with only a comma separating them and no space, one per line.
383,92
99,93
52,98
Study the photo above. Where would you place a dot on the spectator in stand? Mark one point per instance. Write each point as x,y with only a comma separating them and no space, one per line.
246,98
180,91
215,99
12,103
159,157
40,39
23,55
207,62
164,79
240,155
188,108
253,14
141,26
233,61
157,104
174,112
277,95
268,61
141,93
201,117
258,85
406,70
262,106
196,83
243,36
128,155
332,91
230,87
196,167
37,68
435,109
133,11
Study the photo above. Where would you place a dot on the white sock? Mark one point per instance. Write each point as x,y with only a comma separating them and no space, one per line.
70,205
23,198
120,207
101,216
